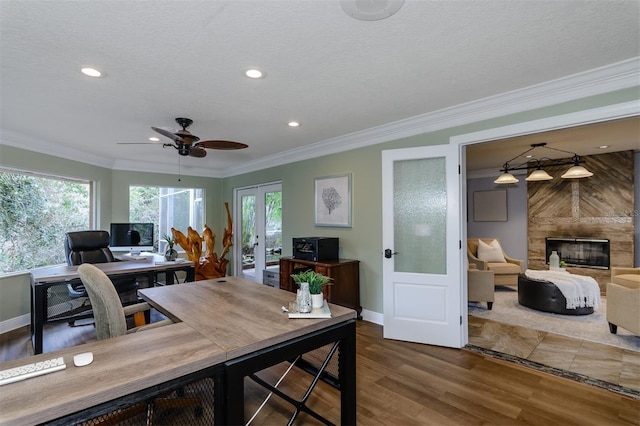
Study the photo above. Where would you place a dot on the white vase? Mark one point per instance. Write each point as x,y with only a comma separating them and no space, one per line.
317,300
554,261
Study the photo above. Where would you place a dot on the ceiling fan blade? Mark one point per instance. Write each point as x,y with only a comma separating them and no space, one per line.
197,152
168,134
139,143
225,145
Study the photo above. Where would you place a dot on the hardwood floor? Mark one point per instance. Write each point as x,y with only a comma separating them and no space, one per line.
401,383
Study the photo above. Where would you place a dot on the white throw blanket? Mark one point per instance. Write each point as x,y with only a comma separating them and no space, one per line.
580,291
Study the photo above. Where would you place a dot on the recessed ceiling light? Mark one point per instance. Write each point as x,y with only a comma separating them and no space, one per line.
254,73
294,124
371,10
604,146
154,139
91,72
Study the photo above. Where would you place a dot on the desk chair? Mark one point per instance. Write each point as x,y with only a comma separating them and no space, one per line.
93,247
110,318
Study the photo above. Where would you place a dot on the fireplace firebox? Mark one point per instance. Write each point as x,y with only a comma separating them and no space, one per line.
580,252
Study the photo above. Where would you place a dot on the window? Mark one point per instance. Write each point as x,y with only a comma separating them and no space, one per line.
166,208
37,211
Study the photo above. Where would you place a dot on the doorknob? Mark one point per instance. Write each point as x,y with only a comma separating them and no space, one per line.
388,253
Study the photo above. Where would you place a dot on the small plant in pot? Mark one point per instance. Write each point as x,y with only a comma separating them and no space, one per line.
170,254
316,281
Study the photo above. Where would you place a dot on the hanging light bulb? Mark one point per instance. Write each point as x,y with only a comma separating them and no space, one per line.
506,177
538,174
577,171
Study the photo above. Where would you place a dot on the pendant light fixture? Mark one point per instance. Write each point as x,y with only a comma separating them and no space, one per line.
575,172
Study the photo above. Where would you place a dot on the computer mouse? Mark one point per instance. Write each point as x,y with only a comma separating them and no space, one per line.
85,358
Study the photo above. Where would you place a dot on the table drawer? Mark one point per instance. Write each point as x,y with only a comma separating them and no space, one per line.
271,277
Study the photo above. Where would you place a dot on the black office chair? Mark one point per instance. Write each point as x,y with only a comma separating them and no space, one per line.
93,247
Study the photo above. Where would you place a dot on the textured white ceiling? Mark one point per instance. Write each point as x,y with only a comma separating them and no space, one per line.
335,74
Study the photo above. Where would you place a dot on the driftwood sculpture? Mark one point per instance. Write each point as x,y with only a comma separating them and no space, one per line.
209,265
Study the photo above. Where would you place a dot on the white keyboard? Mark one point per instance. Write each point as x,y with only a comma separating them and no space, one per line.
31,370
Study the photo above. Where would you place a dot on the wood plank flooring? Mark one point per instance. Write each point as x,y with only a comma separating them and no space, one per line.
401,383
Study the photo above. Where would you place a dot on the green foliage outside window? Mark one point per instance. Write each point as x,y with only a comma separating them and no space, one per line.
35,214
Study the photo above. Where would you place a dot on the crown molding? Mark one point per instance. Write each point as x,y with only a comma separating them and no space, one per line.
19,140
617,76
167,168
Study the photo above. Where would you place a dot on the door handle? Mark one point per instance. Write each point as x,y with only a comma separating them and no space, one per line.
388,253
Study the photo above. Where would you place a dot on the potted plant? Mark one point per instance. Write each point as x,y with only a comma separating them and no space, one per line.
316,281
170,254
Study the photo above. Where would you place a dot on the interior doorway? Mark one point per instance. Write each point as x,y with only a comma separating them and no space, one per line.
504,137
258,237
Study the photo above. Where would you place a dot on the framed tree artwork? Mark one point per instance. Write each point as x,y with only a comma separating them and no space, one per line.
333,201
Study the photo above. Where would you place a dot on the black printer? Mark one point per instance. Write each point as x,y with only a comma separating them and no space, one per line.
315,248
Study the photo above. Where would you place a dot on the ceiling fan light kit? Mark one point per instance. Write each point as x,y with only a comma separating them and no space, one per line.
575,172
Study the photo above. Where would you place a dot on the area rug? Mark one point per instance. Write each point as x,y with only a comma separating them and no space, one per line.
593,327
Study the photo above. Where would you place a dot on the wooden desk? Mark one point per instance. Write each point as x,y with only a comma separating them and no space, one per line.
243,316
44,279
246,320
122,367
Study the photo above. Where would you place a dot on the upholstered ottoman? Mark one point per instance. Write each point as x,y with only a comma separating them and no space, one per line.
544,296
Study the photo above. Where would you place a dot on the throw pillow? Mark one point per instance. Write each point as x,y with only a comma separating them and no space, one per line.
491,252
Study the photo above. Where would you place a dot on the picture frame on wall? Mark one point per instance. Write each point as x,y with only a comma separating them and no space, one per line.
490,206
333,201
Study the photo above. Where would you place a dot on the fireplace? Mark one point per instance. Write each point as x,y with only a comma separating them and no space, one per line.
580,252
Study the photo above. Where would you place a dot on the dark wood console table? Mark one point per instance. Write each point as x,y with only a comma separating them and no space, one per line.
344,274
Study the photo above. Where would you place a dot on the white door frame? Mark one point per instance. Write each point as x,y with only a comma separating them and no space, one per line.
580,118
259,260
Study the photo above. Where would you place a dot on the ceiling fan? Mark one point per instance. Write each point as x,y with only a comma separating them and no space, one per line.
188,144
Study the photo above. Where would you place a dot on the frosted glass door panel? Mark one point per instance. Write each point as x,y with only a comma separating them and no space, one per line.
420,215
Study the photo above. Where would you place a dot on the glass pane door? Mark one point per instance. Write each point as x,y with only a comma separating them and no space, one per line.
259,244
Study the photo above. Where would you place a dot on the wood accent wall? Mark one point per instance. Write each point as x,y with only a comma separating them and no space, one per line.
601,206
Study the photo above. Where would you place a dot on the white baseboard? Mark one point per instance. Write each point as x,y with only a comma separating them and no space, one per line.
13,323
374,317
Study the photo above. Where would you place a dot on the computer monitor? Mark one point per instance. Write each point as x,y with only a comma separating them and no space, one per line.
131,237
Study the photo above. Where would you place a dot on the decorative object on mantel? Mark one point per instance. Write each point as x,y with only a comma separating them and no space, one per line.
554,261
575,172
209,265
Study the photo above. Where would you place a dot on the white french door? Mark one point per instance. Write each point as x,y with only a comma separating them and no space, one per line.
421,244
258,235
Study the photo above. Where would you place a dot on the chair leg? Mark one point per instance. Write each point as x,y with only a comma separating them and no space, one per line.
613,328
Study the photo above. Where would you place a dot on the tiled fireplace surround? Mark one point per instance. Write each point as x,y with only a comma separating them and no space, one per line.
600,207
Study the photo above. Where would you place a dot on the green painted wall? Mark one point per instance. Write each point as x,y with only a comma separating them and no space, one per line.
362,241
